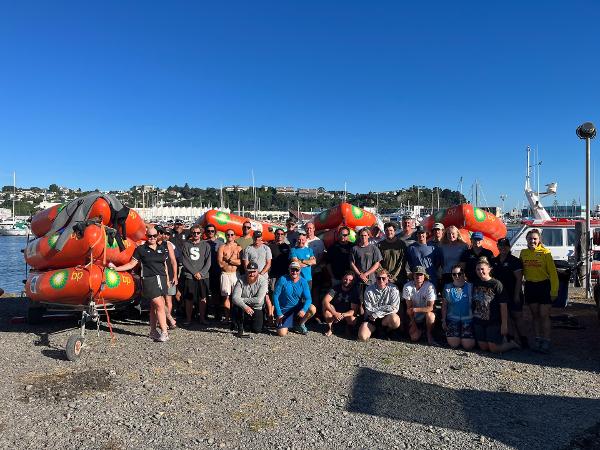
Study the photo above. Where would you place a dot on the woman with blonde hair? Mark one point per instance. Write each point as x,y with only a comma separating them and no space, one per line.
452,247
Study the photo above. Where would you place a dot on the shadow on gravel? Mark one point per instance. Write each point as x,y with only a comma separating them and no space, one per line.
520,421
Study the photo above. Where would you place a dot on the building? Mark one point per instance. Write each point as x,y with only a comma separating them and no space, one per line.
285,190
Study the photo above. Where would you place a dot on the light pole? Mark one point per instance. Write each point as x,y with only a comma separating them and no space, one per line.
587,131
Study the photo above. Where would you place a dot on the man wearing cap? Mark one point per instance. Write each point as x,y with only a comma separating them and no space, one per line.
259,253
508,269
437,233
248,297
245,240
393,253
304,256
469,258
291,235
292,301
419,295
408,230
178,235
425,255
381,304
339,256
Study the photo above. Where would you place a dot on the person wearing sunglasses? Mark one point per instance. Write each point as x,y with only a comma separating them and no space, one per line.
228,257
280,252
245,240
339,256
196,261
214,305
490,313
153,259
381,304
248,297
457,318
258,252
471,256
419,295
163,238
291,235
292,302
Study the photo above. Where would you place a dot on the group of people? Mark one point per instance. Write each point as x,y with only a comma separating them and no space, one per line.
390,279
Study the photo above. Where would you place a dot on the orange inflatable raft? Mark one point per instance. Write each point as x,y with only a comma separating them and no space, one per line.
469,217
344,214
115,255
41,254
224,221
76,285
41,223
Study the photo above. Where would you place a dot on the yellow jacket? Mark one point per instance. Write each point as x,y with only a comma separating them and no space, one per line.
538,265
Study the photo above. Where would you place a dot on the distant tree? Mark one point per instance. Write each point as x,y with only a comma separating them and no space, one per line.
53,188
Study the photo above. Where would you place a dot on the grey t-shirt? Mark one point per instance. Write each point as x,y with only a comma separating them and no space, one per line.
365,257
451,254
259,255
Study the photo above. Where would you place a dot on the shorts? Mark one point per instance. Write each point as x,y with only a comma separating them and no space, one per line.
153,287
457,328
228,281
288,317
486,332
342,307
195,290
537,292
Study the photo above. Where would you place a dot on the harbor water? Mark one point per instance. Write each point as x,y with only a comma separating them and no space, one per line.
12,264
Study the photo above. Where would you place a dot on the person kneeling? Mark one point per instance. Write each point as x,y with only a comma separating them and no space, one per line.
342,303
289,292
419,295
248,298
382,301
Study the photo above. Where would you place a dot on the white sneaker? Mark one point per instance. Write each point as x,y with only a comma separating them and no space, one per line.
162,336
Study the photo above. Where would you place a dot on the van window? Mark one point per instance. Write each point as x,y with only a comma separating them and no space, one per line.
552,237
570,236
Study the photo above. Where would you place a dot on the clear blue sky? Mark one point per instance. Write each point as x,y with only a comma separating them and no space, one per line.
382,95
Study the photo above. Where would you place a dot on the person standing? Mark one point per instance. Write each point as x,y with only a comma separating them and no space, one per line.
471,256
292,302
408,230
291,234
452,248
245,240
304,256
339,256
228,257
153,259
437,233
196,261
163,237
366,258
393,254
541,287
381,303
214,274
248,298
424,255
320,279
260,253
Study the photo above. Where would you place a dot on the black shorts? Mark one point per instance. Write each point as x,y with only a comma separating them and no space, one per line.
487,332
195,290
153,287
342,307
537,292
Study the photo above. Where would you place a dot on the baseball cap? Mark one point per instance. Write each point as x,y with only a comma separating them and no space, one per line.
294,265
159,229
420,229
257,234
178,222
407,217
438,226
503,242
420,269
477,236
251,266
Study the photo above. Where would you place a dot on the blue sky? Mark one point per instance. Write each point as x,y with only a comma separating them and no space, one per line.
382,95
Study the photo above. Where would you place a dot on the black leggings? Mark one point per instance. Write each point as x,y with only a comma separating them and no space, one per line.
256,320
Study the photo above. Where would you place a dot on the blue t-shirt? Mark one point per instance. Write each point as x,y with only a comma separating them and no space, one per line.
288,294
427,256
302,254
458,301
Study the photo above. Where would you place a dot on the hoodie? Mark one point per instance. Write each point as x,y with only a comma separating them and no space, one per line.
538,265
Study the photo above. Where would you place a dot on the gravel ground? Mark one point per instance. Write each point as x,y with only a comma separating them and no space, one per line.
207,389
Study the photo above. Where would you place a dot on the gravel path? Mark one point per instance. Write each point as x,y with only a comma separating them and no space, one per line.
207,389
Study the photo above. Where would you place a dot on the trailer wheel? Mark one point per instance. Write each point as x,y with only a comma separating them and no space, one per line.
74,347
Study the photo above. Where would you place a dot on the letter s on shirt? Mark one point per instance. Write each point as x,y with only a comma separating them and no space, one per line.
194,253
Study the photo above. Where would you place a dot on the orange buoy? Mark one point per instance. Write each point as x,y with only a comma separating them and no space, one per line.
77,285
344,214
469,217
135,226
223,221
487,242
116,256
41,253
41,223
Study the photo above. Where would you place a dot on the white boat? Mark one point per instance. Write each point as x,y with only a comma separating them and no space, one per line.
14,227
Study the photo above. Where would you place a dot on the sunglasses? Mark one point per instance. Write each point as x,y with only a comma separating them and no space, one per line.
381,278
210,231
196,232
344,235
151,236
294,270
457,274
230,234
247,227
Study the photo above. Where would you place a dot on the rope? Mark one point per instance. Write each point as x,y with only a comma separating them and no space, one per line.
112,335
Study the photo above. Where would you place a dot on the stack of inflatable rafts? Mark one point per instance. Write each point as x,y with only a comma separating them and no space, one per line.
468,219
73,245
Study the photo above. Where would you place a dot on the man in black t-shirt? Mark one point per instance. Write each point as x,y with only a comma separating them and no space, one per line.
342,302
471,256
339,256
508,269
280,252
